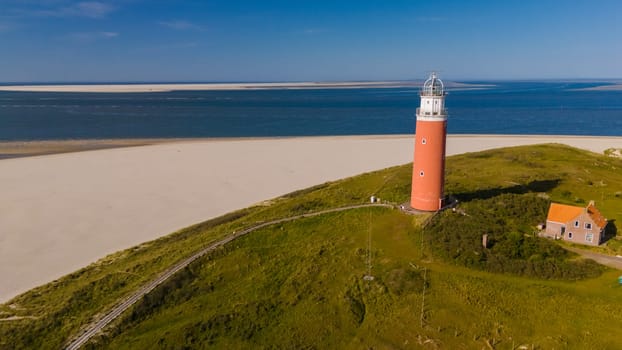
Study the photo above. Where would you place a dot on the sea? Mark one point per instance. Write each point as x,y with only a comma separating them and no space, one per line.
496,107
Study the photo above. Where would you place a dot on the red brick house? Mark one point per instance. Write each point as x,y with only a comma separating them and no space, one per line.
576,224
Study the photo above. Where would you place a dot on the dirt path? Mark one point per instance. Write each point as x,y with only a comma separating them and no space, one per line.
97,325
604,259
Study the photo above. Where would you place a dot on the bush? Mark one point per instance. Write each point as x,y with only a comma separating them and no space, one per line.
509,221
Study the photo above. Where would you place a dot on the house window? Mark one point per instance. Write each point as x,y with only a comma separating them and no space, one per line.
576,224
588,226
589,237
569,235
424,141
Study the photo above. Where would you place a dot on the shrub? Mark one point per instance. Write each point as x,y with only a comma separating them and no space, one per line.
508,219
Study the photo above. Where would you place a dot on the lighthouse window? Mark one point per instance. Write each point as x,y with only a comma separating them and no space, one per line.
423,141
421,173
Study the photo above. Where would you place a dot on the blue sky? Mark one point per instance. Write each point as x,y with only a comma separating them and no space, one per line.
178,40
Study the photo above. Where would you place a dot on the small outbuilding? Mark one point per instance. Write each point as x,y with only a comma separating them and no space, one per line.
582,225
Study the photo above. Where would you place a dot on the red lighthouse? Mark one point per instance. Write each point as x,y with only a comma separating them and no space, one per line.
429,162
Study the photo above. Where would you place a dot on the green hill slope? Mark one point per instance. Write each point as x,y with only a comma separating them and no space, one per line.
300,284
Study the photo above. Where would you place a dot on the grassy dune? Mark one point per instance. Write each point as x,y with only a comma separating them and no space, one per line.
300,285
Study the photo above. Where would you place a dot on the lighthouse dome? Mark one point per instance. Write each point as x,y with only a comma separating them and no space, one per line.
433,86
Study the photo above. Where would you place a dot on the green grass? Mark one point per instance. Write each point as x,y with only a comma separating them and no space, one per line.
570,176
303,279
53,312
300,284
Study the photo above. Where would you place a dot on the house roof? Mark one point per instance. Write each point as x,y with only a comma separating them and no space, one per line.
563,213
595,214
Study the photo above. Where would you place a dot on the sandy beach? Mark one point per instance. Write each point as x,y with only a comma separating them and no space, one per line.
60,212
124,88
17,149
139,88
612,87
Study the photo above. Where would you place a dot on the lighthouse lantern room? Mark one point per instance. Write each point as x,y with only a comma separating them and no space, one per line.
429,160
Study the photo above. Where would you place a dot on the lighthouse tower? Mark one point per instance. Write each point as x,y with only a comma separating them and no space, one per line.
429,162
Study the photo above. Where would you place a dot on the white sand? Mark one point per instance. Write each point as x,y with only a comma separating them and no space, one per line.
125,88
612,87
119,88
61,212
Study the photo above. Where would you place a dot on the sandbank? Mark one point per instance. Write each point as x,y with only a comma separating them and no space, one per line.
124,88
60,212
612,87
140,88
16,149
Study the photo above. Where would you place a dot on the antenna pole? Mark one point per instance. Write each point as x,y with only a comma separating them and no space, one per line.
368,276
425,278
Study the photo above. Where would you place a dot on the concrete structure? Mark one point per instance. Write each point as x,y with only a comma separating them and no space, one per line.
429,161
576,224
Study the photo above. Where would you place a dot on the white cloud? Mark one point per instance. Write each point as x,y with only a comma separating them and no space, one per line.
430,19
168,46
91,36
311,31
90,9
180,25
4,27
93,9
109,34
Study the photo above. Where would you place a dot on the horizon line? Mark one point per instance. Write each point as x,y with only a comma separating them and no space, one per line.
136,82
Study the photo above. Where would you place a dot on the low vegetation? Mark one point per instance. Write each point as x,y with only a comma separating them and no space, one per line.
614,152
300,284
512,246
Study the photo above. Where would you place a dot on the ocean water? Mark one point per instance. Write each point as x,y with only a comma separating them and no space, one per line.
505,108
